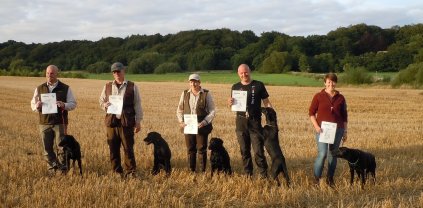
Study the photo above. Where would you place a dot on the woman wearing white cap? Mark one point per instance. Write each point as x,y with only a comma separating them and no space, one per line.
198,101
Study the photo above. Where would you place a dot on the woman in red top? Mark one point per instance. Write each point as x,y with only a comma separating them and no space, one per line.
330,106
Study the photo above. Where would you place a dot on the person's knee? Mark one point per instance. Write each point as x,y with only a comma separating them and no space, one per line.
202,151
322,155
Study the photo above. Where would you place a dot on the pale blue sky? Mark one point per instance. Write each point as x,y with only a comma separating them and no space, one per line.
42,21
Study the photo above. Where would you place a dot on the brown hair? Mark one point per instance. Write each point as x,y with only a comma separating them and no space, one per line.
331,76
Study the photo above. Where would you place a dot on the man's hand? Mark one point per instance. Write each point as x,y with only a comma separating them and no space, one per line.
230,101
38,105
202,124
137,128
60,104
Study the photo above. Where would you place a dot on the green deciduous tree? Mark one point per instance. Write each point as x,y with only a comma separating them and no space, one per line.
145,64
99,67
277,62
167,67
412,75
356,75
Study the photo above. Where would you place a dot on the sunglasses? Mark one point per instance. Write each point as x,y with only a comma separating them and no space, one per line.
114,72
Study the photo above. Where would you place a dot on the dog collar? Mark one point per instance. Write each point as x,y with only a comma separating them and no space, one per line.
270,125
355,163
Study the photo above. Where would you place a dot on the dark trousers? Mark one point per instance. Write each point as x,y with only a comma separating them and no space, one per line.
197,144
249,133
116,137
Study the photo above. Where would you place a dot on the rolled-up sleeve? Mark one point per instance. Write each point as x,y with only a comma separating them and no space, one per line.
137,105
211,108
34,100
180,109
102,100
70,101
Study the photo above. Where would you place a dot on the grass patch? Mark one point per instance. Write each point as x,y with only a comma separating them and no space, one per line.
226,77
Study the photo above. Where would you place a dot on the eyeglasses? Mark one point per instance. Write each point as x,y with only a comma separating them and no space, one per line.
114,72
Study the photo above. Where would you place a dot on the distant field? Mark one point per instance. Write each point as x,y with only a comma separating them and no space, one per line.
220,78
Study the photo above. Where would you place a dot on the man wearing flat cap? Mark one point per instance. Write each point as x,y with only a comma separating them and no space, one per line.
123,121
197,101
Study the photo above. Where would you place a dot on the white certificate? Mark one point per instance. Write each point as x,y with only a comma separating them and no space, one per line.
191,124
328,132
49,105
240,100
116,104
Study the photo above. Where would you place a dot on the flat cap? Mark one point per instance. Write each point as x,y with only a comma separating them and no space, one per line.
117,66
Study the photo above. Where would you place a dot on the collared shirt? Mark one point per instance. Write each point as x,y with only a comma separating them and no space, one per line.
121,91
193,99
70,99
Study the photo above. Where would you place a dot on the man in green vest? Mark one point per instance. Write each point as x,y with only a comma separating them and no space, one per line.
122,102
196,101
53,122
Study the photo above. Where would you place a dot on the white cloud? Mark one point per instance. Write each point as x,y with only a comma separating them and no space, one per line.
56,20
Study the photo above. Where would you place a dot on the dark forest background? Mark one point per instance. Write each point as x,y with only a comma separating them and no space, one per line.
367,47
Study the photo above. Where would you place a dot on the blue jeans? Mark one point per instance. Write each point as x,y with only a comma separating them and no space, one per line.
322,153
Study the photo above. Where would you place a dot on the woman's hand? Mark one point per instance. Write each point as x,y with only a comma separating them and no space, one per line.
318,129
344,138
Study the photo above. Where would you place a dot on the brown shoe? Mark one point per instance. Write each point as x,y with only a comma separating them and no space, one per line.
316,181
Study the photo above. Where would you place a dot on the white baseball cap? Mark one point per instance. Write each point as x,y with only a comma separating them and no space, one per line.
194,77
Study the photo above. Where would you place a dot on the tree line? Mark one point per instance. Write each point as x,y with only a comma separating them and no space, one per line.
357,46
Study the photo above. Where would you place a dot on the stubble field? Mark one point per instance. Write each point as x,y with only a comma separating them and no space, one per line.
386,122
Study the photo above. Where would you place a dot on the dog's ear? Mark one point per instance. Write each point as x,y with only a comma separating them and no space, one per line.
63,142
71,137
156,134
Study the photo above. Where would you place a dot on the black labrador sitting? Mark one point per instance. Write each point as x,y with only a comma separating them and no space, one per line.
271,143
219,157
162,153
72,151
362,162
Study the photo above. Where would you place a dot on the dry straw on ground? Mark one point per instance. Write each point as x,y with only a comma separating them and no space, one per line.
386,122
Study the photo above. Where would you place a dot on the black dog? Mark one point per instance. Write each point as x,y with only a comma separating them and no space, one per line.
219,157
162,153
271,143
362,162
72,151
